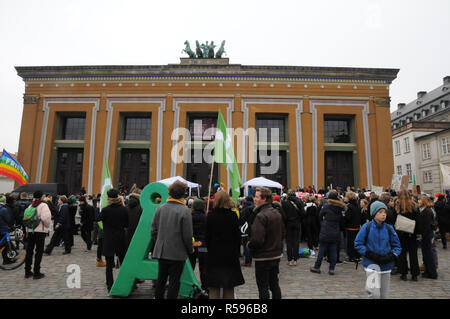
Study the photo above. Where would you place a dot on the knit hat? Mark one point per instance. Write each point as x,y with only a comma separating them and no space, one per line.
37,194
376,206
199,204
276,198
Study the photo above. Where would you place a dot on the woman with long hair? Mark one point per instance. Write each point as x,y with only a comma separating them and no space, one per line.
223,240
406,207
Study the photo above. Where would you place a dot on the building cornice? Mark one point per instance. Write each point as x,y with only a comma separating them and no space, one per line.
230,72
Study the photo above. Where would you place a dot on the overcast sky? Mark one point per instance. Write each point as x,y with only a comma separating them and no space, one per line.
410,35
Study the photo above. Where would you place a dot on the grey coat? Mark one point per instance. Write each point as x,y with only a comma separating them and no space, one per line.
172,232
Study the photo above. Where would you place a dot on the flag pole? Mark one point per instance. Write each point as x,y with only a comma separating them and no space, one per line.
210,182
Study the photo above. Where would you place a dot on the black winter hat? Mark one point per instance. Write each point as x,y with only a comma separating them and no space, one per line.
38,194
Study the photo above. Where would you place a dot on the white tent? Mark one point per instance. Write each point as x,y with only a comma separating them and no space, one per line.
261,182
169,181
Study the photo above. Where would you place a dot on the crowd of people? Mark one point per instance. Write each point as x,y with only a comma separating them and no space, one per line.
214,233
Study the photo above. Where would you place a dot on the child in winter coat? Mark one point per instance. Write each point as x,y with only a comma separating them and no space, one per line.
379,245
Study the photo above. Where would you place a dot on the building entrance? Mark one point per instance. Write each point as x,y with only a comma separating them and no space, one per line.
339,169
69,169
134,168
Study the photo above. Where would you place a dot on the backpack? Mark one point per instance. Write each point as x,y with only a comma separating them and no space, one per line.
30,218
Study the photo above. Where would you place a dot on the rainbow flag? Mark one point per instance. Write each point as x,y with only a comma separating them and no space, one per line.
11,168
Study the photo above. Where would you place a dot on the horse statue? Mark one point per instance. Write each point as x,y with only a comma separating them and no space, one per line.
198,50
188,50
221,50
205,48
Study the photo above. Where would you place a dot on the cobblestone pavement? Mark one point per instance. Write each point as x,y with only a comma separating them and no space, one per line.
296,282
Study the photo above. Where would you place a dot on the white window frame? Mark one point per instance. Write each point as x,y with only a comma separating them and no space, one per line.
407,145
409,172
445,143
397,147
426,151
427,177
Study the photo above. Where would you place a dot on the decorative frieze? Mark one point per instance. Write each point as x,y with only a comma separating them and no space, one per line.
27,99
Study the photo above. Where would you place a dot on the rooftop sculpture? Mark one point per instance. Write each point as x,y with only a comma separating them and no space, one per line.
204,50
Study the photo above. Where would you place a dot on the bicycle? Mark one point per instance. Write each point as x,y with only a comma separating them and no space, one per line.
15,247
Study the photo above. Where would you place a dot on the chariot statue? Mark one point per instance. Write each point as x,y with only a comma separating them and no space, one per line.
204,50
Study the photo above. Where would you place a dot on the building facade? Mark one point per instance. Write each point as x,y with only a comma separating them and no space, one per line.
419,132
332,123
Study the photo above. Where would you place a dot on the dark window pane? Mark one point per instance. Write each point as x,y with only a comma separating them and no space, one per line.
74,128
202,128
137,129
268,124
337,131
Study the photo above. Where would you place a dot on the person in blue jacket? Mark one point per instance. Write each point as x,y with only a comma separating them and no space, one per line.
379,245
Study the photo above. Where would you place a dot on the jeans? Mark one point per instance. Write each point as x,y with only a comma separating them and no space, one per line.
266,273
428,258
34,240
292,242
409,245
331,250
86,235
172,269
247,254
56,239
109,269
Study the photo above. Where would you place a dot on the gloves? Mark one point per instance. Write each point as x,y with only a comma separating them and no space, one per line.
392,256
373,256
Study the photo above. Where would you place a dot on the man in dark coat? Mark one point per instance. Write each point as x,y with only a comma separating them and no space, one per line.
5,221
87,214
115,220
265,244
330,231
442,209
134,215
61,227
199,232
171,232
293,207
245,223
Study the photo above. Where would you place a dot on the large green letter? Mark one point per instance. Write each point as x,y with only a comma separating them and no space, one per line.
136,264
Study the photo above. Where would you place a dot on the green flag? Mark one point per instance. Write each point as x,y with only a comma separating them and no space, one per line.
106,186
224,153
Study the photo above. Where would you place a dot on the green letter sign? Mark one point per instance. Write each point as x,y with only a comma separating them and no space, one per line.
136,264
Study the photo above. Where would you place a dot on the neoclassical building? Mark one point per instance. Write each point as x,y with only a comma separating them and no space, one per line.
333,122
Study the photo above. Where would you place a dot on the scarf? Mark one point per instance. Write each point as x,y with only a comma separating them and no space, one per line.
179,200
115,201
36,203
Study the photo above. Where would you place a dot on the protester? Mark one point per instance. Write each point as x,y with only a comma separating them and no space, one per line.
134,214
425,230
171,231
5,221
223,240
115,219
61,228
277,206
442,209
379,245
99,236
311,222
294,209
407,208
265,244
199,232
87,214
22,203
364,205
14,211
387,199
245,223
352,222
330,232
36,237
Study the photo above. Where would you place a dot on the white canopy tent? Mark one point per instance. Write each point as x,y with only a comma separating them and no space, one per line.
261,182
169,181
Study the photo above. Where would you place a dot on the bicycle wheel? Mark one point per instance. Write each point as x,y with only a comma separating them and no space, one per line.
16,254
